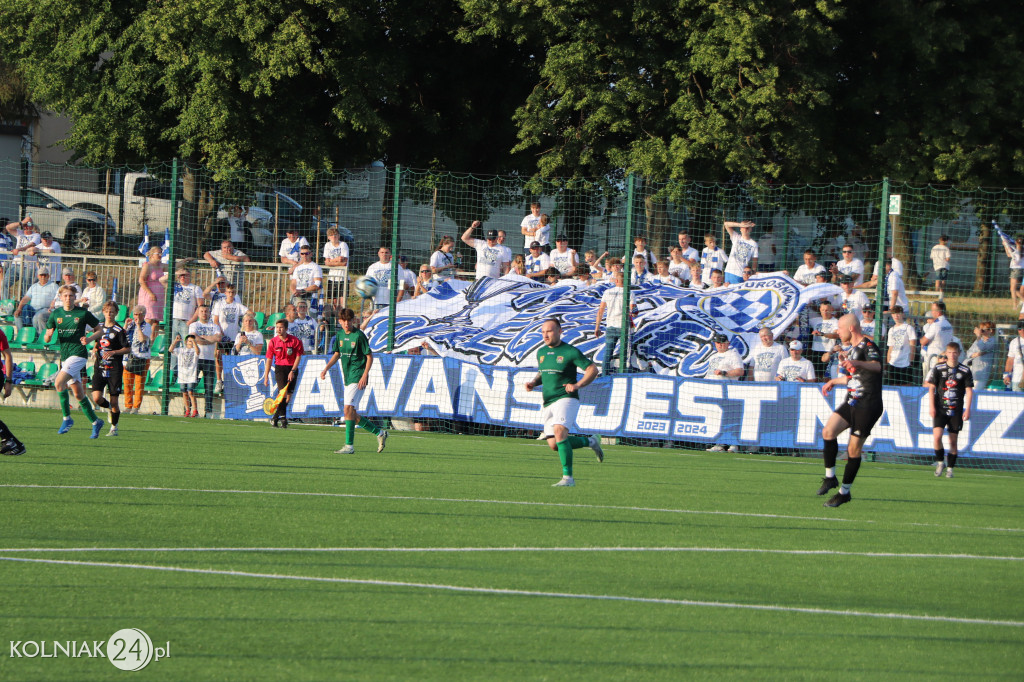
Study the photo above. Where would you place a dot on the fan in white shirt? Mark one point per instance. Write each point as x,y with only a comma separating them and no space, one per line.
562,257
765,357
711,258
805,274
537,262
664,277
489,254
849,266
725,364
851,300
795,367
743,253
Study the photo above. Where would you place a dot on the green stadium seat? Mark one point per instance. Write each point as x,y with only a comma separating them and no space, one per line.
274,317
26,336
155,380
260,319
10,331
7,307
159,345
122,314
89,371
46,371
29,367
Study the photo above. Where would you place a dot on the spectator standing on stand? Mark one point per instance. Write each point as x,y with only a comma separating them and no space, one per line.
940,262
336,260
442,262
711,258
291,245
982,353
140,336
1013,373
902,344
530,226
207,335
1015,252
151,286
228,261
488,253
744,252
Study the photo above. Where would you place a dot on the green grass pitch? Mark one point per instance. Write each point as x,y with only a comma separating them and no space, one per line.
660,564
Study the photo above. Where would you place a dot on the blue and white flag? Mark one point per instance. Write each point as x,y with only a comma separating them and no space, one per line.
113,291
1002,235
497,321
144,246
165,250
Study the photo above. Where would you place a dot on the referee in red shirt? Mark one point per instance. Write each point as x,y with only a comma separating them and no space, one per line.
284,350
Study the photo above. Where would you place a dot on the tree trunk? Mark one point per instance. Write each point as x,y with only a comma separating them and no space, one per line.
984,250
656,213
901,251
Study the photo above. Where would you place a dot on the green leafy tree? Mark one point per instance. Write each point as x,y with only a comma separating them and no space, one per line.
768,90
244,84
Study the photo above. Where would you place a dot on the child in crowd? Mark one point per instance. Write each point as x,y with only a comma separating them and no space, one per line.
188,371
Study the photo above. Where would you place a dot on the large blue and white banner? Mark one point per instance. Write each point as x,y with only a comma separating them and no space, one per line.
497,321
772,415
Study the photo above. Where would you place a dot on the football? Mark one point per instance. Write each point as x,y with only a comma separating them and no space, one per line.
366,287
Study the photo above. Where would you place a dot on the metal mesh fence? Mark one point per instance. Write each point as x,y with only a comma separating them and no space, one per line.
455,344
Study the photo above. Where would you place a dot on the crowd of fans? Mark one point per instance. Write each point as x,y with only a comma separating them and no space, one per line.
207,324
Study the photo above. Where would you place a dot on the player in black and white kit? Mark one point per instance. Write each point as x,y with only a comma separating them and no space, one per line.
862,375
111,346
950,391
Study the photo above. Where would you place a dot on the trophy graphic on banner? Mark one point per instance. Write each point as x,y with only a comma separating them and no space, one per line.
248,373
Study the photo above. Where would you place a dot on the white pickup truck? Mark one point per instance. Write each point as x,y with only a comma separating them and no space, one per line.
147,201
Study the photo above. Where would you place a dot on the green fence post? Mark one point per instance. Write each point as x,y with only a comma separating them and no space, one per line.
165,388
394,258
624,340
880,303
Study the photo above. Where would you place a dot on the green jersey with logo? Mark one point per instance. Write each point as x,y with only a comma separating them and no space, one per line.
352,347
557,368
70,326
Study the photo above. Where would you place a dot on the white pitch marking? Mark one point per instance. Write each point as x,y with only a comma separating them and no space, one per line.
533,593
429,499
512,502
455,550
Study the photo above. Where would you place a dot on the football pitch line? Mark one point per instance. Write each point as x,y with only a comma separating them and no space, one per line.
457,550
529,593
527,503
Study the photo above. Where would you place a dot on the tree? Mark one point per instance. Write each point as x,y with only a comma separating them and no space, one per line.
764,90
242,84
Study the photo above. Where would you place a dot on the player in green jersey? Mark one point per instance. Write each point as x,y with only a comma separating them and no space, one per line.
70,324
353,348
557,363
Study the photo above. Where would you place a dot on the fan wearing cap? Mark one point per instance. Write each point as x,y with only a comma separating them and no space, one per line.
563,258
796,367
1013,373
489,254
48,253
726,363
68,280
851,300
537,262
290,246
